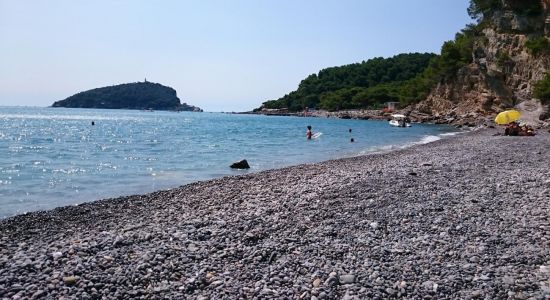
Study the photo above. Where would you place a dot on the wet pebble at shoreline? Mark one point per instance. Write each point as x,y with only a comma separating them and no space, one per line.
466,217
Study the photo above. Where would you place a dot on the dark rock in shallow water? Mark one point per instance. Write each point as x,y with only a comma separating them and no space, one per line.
243,164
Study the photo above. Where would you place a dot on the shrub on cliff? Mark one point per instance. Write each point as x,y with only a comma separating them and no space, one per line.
538,46
542,89
484,9
479,9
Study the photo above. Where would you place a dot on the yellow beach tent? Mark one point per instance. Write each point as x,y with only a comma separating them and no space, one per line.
507,117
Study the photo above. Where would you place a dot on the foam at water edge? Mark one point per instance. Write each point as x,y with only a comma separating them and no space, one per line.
424,140
380,149
450,133
428,139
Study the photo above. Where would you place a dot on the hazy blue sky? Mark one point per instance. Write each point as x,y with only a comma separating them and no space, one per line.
218,55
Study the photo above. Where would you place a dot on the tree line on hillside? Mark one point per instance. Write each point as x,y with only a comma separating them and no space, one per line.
406,78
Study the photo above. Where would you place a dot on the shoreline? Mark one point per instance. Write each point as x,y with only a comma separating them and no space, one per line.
473,119
64,199
469,120
442,219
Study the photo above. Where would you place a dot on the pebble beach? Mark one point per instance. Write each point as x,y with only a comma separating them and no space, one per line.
465,217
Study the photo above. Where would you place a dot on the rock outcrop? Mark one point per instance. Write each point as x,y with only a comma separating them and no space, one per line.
139,95
502,73
242,164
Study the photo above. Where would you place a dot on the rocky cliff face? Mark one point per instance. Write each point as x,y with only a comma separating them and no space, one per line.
501,75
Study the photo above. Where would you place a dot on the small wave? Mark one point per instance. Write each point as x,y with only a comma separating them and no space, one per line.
432,138
385,148
428,139
424,140
450,133
69,171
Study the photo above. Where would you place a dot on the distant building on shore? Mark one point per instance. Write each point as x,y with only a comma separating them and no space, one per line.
391,106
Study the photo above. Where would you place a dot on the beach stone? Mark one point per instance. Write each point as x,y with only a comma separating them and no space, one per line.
475,294
192,247
317,282
390,291
70,280
428,285
242,164
508,279
347,279
38,294
331,281
216,283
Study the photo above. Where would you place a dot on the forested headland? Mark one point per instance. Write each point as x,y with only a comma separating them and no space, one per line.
411,78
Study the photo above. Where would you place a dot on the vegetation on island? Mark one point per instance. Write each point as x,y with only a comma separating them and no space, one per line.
139,95
406,78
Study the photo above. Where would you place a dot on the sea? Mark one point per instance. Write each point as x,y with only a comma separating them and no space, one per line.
51,157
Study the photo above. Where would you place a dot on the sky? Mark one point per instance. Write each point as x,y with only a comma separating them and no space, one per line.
229,55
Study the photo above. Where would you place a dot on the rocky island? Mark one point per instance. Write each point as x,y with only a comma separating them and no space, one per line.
138,95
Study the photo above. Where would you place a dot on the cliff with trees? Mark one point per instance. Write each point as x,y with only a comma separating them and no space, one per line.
506,57
500,61
139,95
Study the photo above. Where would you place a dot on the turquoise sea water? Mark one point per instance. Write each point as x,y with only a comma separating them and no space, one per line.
53,157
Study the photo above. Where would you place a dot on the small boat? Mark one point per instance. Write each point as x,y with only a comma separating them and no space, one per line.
399,121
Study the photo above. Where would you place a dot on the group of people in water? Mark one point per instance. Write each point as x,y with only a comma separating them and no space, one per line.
309,134
517,129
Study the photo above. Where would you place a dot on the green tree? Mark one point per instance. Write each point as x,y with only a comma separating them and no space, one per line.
542,89
325,87
478,9
538,46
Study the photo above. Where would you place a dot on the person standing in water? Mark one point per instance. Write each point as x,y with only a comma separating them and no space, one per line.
309,133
